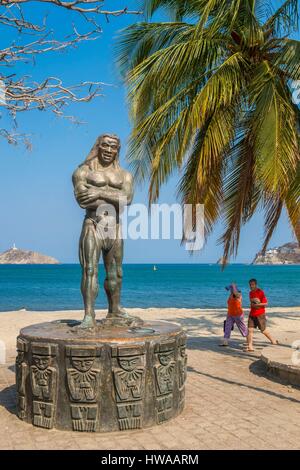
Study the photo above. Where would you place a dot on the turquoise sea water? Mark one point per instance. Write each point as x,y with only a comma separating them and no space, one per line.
56,287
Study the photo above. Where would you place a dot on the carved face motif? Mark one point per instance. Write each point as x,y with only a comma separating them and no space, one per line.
108,150
182,352
129,363
165,359
42,362
82,364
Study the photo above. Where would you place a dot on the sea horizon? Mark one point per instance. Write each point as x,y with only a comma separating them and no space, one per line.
154,263
171,285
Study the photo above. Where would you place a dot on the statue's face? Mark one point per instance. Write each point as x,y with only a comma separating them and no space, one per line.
42,362
129,363
82,364
108,150
165,359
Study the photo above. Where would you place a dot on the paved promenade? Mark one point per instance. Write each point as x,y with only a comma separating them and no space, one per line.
230,401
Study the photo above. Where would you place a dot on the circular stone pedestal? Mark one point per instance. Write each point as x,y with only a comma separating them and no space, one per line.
282,362
107,379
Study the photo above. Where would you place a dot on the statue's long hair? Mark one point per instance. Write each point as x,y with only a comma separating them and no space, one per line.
92,158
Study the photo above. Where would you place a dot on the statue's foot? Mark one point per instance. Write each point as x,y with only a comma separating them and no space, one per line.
121,313
88,322
121,317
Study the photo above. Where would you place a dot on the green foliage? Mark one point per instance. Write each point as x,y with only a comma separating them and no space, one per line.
210,96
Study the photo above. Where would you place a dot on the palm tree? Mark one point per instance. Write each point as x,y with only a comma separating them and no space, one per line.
211,95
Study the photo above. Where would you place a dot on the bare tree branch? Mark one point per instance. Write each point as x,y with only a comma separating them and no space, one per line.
16,53
81,6
51,93
13,138
22,93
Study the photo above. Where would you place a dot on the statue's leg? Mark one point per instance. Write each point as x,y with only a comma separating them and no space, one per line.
89,253
113,282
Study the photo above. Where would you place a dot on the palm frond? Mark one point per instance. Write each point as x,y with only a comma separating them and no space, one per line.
230,16
292,203
285,19
274,132
202,178
179,119
144,146
221,88
241,193
177,9
139,41
273,208
287,59
169,70
212,14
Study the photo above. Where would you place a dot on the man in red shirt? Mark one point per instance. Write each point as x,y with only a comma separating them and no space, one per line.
257,317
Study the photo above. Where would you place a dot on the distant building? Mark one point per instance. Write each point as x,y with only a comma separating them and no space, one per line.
285,254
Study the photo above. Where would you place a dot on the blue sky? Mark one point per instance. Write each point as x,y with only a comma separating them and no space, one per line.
37,207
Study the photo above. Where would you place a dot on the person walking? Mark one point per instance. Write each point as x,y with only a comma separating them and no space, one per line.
257,316
235,314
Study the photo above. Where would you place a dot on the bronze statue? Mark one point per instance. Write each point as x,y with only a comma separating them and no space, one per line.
102,188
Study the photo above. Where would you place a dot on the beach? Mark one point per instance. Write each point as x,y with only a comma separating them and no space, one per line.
230,400
199,322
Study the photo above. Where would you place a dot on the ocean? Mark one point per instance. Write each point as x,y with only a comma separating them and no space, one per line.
57,287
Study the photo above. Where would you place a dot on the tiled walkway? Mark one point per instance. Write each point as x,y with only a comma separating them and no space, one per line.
230,404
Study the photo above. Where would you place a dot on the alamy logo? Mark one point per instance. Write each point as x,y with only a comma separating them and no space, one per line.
296,91
296,353
160,221
2,93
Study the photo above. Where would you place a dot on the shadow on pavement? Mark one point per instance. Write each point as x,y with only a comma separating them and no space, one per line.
242,384
8,399
235,348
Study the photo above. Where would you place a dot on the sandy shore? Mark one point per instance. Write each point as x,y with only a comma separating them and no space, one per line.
282,320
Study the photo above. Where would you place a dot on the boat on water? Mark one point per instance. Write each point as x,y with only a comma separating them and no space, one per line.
154,268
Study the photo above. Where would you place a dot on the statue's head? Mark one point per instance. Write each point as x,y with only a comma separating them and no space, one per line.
129,363
42,362
105,150
82,364
165,359
109,147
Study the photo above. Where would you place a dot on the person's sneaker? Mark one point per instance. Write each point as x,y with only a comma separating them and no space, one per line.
224,343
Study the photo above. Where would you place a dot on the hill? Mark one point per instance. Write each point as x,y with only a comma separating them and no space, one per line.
17,256
285,254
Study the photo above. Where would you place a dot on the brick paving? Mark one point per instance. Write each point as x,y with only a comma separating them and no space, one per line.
231,403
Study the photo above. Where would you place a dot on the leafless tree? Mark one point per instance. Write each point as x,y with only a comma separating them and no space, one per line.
23,93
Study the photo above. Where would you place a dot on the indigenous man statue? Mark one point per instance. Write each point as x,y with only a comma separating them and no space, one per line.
102,188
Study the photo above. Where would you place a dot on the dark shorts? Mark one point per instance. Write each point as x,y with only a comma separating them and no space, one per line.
259,322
